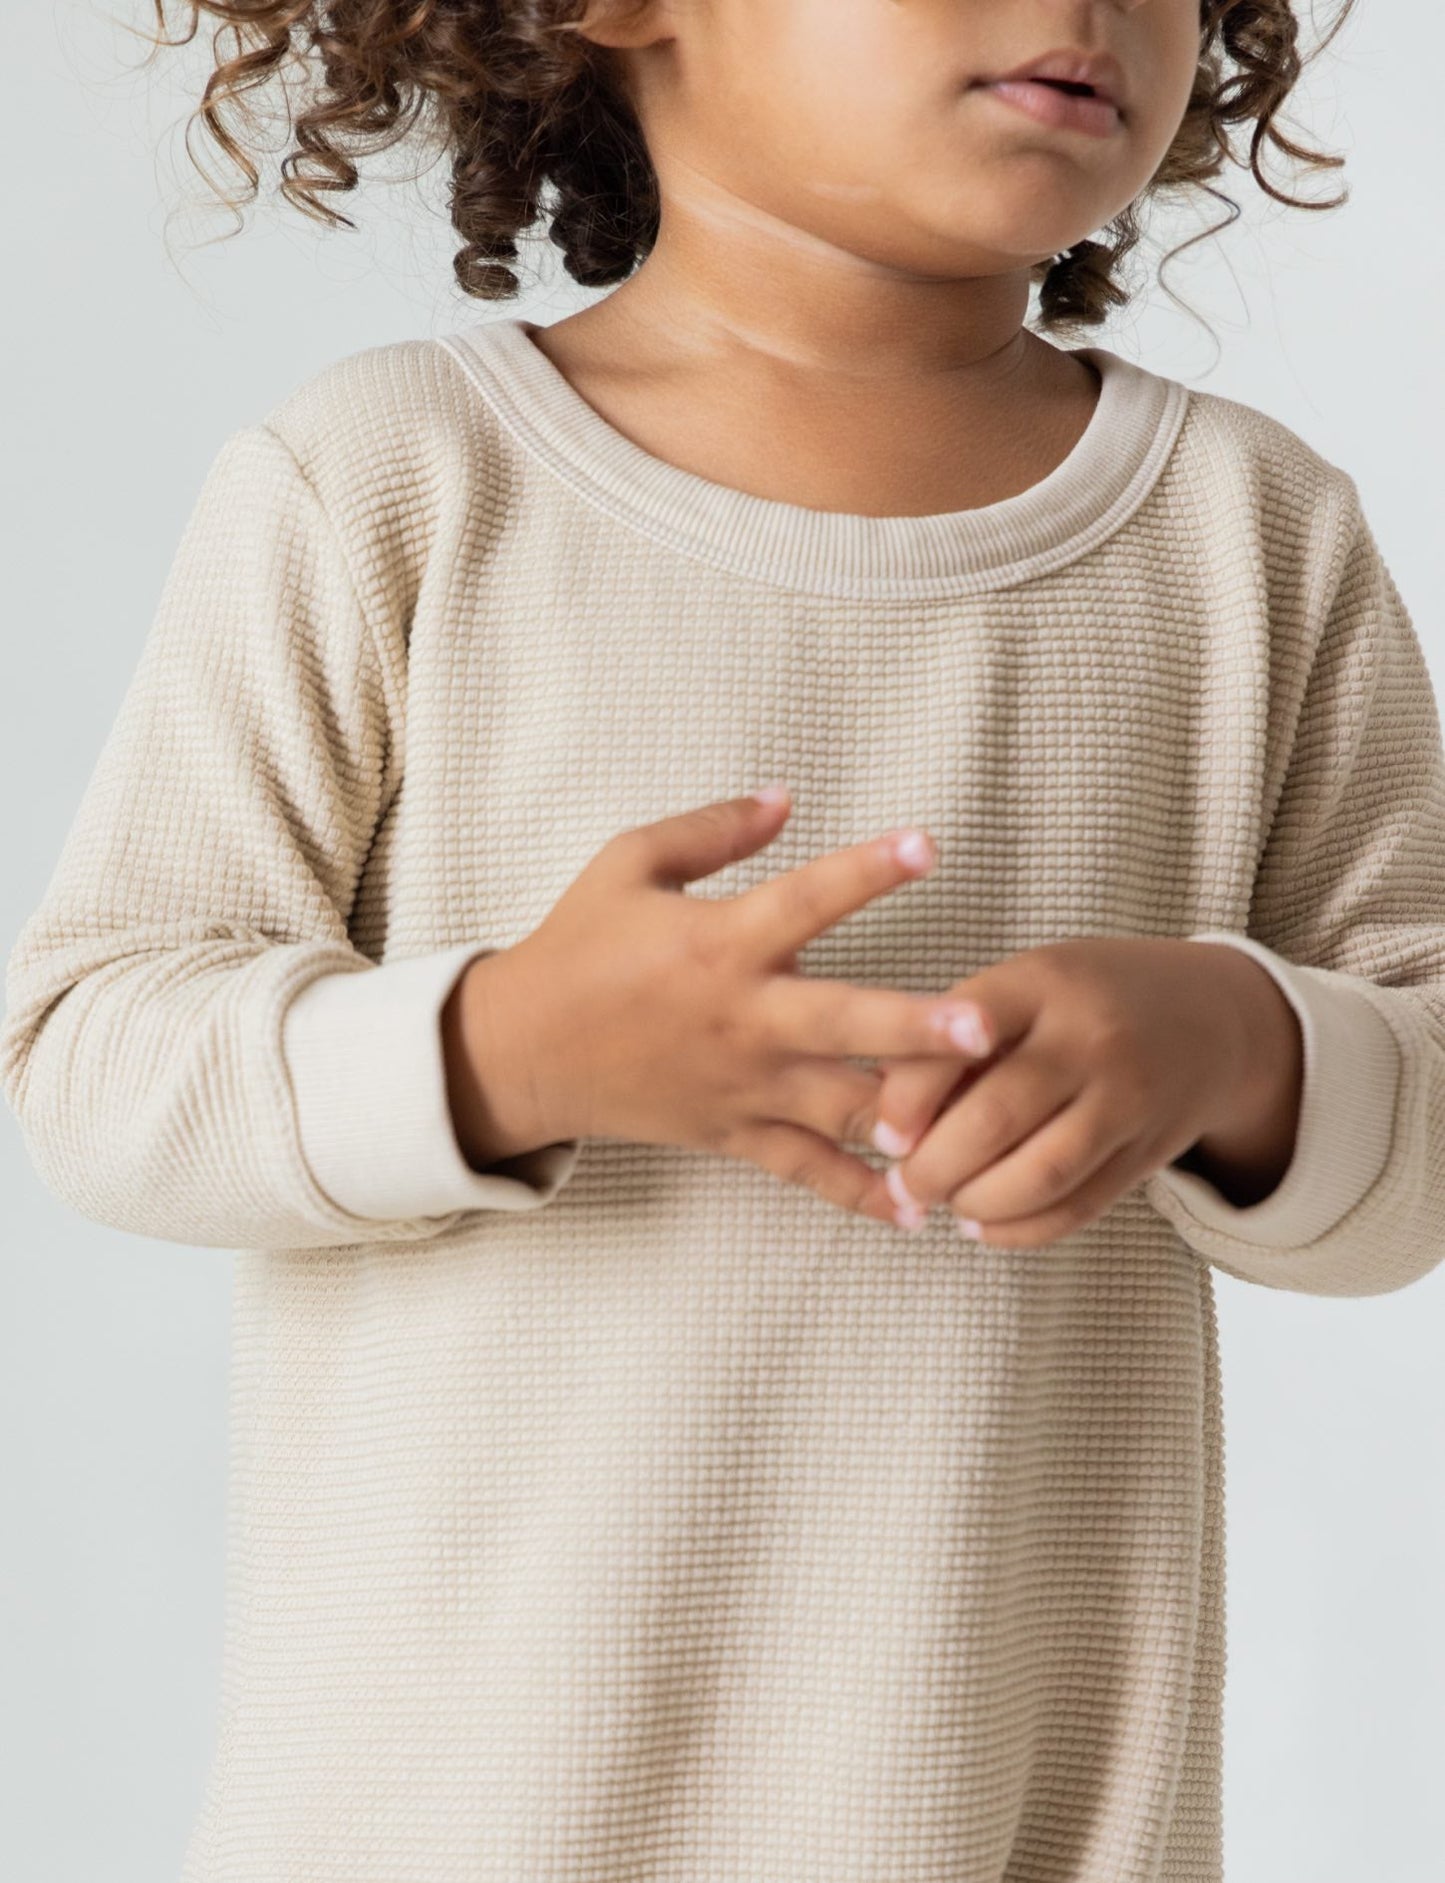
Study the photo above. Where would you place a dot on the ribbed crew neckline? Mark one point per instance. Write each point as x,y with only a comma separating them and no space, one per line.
1106,476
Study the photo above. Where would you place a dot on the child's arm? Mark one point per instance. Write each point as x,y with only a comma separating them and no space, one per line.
1349,915
167,1074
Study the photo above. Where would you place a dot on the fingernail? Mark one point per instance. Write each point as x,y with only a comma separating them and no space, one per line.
898,1189
965,1028
910,1212
772,794
912,849
892,1143
968,1227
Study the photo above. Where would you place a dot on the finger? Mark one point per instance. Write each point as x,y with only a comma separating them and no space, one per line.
1113,1179
1011,1100
785,913
800,1156
913,1093
828,1096
695,843
808,1014
1049,1166
1007,997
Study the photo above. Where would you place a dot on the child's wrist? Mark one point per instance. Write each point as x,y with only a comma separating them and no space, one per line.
492,1092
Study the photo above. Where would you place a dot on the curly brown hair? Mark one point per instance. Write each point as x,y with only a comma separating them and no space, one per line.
536,125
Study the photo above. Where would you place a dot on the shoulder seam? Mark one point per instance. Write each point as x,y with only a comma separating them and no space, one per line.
368,631
1344,500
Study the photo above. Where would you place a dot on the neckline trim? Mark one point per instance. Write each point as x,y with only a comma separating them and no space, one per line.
1097,487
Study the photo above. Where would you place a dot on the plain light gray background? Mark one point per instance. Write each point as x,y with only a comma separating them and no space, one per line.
137,335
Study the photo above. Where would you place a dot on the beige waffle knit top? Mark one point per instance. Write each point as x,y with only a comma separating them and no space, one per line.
622,1514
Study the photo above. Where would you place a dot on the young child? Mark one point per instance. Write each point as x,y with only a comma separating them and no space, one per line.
617,1493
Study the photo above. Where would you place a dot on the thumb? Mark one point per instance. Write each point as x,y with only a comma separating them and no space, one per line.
694,843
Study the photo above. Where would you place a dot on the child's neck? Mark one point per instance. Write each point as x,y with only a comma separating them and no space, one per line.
730,408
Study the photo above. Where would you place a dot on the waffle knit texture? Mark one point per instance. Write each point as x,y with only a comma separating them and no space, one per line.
621,1513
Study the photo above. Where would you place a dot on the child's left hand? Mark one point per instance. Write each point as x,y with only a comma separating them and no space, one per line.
1103,1059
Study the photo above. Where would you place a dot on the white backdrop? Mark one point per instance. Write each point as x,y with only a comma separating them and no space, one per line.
137,334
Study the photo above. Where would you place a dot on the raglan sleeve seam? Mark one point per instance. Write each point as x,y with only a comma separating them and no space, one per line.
379,1029
363,615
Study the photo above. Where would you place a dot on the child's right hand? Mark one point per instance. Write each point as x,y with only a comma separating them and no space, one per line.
636,1012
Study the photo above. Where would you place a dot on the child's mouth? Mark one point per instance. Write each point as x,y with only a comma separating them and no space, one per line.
1057,102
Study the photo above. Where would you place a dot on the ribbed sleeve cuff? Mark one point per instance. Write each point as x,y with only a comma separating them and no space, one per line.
364,1051
1347,1104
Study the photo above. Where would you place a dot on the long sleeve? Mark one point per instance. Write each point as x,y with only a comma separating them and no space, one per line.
194,1048
1348,914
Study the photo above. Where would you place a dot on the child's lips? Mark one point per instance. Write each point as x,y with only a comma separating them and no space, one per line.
1050,104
